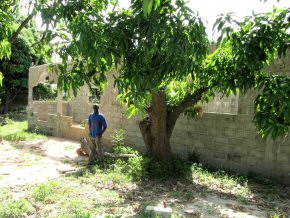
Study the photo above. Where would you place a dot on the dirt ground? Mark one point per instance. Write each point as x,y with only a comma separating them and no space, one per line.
34,162
31,162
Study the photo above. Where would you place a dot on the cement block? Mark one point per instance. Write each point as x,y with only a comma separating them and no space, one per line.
197,144
283,158
229,132
164,212
219,155
256,153
285,149
234,158
221,140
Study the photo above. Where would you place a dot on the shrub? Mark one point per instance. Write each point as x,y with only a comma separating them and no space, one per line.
141,166
118,142
17,208
44,91
44,190
117,138
162,170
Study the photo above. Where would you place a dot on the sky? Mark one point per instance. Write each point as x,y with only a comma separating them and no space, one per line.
210,9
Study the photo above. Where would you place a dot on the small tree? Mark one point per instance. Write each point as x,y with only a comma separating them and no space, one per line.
15,71
15,68
21,45
163,63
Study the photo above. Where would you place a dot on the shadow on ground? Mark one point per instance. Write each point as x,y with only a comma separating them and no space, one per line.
188,196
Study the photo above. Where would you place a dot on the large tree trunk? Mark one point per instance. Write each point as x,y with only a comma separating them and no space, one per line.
7,102
154,128
9,98
157,129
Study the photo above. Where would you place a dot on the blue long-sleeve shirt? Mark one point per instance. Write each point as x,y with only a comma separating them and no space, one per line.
97,122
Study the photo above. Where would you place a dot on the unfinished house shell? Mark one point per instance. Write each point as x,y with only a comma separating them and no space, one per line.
224,137
57,118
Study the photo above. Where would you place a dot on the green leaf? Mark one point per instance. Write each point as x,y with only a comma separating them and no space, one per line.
147,6
1,79
157,4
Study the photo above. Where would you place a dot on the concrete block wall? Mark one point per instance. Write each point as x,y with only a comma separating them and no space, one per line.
81,107
111,109
228,141
43,126
67,108
223,105
43,108
224,137
68,130
56,125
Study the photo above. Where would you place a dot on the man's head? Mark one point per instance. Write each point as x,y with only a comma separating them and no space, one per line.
96,108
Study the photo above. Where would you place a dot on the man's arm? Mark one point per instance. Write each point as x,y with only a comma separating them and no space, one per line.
104,124
89,122
104,129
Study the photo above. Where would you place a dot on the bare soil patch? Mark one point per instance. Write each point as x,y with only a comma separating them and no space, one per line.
26,164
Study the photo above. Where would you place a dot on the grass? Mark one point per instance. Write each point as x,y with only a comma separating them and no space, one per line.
222,181
69,147
46,192
15,208
5,194
100,192
75,209
18,131
118,188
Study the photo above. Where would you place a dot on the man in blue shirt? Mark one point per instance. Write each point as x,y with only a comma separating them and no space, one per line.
97,127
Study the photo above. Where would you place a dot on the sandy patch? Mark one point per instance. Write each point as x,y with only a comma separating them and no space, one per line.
31,162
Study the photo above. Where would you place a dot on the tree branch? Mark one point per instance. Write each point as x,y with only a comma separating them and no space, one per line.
40,41
188,101
23,24
14,96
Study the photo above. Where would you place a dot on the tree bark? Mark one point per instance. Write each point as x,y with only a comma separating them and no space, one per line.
157,129
7,101
22,25
188,101
154,129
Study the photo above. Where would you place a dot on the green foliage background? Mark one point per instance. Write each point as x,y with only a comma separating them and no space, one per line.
163,46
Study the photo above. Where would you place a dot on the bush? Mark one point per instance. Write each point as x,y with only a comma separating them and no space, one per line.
162,170
143,167
44,91
118,138
45,190
17,208
118,142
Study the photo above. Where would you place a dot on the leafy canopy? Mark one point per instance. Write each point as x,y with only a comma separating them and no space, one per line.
146,50
6,10
246,48
162,45
21,46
